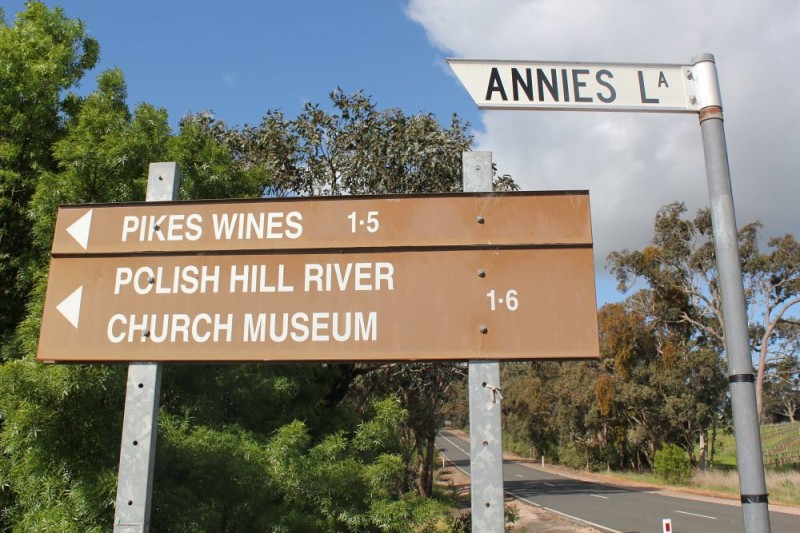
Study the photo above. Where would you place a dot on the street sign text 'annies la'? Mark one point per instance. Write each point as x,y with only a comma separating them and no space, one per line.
578,86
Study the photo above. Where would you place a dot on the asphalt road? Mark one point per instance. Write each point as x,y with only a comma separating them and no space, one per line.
613,508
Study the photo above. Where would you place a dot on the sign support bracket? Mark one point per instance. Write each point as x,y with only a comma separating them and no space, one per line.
140,423
485,430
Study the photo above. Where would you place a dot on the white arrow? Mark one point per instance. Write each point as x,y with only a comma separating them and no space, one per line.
80,229
71,307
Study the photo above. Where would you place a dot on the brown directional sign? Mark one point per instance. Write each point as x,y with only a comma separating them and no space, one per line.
370,305
459,276
332,222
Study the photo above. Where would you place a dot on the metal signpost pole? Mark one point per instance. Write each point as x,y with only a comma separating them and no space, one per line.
749,459
486,450
140,423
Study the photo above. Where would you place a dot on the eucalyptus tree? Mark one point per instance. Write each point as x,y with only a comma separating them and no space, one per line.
679,269
774,286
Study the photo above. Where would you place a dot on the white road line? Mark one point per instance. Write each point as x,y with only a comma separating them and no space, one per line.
581,520
456,446
565,515
519,475
462,451
598,496
700,515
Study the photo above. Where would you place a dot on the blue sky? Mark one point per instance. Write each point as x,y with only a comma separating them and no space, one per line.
239,59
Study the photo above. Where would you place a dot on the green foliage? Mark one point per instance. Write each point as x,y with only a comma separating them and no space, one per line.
527,407
463,522
351,148
679,268
358,149
60,441
288,482
212,166
103,156
43,55
423,390
571,456
672,464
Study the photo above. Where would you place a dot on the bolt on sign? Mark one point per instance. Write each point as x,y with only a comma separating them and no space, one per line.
477,276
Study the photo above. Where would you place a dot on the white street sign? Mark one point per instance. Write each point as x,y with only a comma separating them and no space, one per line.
506,84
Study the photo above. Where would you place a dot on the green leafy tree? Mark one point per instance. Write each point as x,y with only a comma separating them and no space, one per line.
61,424
527,408
774,286
353,148
782,386
685,312
214,163
680,269
423,390
44,54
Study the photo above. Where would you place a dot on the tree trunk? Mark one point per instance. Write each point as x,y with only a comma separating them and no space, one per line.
713,442
701,462
690,450
789,409
762,368
425,451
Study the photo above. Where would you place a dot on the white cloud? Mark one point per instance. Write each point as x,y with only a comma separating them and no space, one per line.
635,163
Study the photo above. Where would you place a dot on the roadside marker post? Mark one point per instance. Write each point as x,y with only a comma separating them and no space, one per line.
690,88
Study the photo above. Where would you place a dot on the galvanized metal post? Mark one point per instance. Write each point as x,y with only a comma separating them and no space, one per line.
485,431
750,463
140,423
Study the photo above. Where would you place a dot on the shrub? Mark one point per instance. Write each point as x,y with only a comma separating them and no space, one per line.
672,464
570,456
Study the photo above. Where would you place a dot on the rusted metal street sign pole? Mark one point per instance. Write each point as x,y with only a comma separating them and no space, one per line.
485,430
140,423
